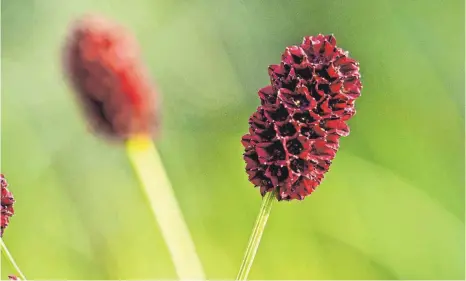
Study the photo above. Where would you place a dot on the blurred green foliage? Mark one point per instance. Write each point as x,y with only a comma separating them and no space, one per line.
391,207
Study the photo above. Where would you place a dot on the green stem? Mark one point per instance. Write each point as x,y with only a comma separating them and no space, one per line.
157,187
256,236
9,257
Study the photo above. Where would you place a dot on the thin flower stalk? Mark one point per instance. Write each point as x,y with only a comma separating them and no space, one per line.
11,260
254,240
156,185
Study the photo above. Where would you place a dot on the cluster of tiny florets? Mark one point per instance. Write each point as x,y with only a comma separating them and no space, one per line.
7,202
295,132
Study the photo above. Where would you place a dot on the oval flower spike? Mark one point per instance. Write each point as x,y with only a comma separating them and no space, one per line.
7,202
294,134
103,64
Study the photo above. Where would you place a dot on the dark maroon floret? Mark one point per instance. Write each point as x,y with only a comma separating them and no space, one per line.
294,134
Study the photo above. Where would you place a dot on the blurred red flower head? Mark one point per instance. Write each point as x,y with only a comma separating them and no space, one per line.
103,64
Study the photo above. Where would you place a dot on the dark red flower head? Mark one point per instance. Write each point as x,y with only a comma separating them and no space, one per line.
103,63
7,205
13,277
294,134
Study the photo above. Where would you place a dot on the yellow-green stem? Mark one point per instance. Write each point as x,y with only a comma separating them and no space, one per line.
9,257
156,186
256,236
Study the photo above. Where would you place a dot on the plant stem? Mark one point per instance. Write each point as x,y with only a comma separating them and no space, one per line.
9,257
256,236
156,186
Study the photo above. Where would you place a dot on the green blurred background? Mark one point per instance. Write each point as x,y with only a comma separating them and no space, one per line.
391,207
